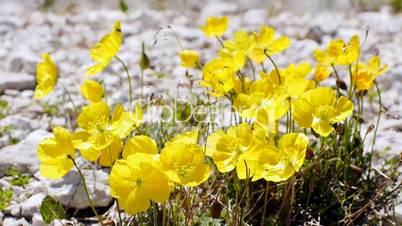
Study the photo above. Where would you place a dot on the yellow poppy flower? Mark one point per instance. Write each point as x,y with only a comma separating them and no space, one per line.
103,127
103,52
241,42
54,153
234,60
227,149
215,26
364,75
319,109
184,162
321,72
189,58
280,163
104,157
46,77
92,90
140,144
219,76
265,42
136,181
270,96
338,52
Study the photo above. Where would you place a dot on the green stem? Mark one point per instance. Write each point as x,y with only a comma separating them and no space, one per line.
128,78
351,82
86,191
276,67
71,99
265,203
118,211
220,42
142,84
377,123
292,198
337,79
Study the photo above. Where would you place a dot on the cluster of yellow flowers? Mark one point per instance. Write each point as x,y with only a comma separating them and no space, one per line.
141,173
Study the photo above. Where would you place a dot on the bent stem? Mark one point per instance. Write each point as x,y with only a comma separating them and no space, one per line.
70,98
338,92
276,67
86,191
128,78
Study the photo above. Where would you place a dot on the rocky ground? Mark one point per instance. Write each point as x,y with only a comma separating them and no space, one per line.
68,36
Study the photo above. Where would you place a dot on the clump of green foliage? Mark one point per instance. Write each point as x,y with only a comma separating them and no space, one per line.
5,198
3,108
18,178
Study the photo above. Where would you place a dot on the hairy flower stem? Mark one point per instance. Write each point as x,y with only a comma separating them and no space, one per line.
220,42
128,78
292,198
118,212
71,99
91,203
276,67
351,82
338,92
142,84
377,123
264,210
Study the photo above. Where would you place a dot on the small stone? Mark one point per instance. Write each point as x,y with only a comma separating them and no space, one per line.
14,222
398,214
17,190
214,8
31,205
14,209
315,33
255,16
22,60
37,220
18,81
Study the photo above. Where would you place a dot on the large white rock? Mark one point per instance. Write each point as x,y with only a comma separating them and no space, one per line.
23,155
70,192
18,81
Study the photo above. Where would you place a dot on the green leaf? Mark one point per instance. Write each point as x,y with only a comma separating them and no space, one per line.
50,210
123,6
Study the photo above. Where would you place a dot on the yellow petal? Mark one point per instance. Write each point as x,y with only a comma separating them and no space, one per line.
140,143
92,90
111,153
343,108
211,142
215,26
92,114
106,49
46,77
189,58
323,128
